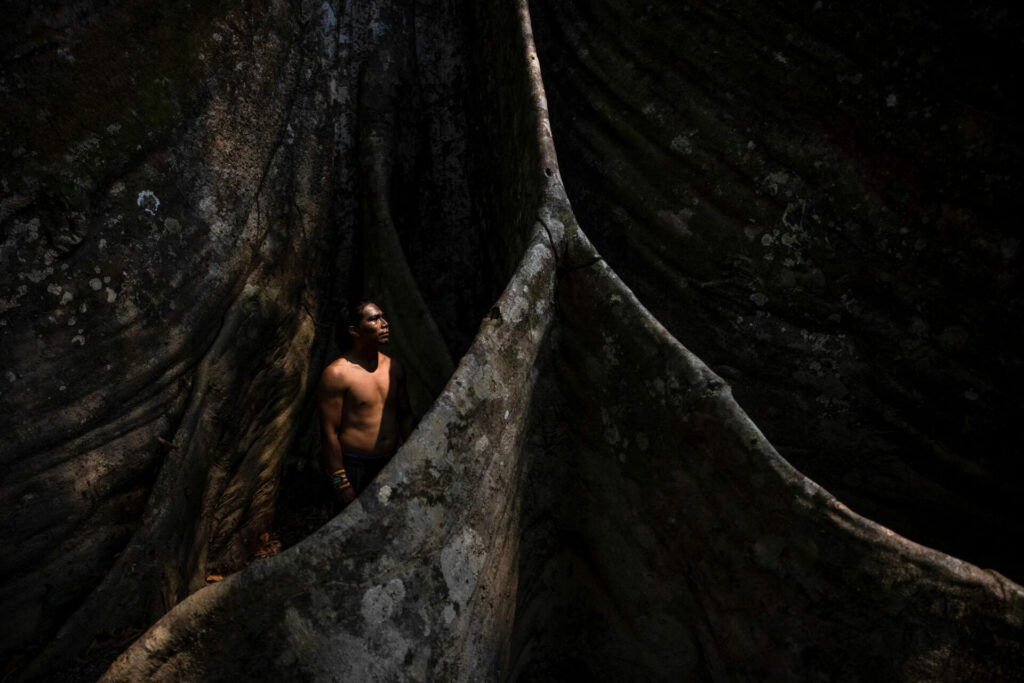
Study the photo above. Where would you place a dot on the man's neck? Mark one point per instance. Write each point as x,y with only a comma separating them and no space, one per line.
365,354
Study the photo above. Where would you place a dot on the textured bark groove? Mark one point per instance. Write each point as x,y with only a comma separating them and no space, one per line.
703,552
179,299
791,191
583,497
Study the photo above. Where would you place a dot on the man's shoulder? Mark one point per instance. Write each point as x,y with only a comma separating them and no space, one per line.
337,373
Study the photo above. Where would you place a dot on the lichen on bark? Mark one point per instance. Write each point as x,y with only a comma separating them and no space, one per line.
583,497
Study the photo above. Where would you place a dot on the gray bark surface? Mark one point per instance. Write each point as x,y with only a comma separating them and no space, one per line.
191,195
820,203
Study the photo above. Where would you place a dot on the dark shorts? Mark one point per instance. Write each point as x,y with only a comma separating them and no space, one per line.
361,469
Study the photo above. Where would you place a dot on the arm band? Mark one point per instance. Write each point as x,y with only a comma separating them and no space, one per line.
339,479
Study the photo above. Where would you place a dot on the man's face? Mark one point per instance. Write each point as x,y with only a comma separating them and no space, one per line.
372,325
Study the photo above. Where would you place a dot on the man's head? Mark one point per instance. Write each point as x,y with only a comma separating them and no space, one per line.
366,323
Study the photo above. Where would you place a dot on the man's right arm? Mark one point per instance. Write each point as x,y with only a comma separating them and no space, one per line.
330,402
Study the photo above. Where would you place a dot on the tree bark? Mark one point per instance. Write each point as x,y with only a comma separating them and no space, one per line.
191,197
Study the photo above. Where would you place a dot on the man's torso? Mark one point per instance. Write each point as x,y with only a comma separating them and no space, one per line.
369,424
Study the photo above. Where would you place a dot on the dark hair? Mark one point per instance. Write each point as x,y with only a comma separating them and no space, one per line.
354,314
351,316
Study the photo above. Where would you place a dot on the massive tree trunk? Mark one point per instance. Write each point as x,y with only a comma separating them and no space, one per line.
191,195
820,203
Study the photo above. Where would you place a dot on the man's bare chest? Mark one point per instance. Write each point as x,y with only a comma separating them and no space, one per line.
368,391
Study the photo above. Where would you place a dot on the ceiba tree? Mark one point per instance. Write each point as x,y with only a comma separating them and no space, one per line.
190,194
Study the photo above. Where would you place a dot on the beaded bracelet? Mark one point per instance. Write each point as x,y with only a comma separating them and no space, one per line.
340,479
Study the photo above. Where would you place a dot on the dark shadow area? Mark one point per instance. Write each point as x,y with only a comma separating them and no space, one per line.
820,203
600,596
662,539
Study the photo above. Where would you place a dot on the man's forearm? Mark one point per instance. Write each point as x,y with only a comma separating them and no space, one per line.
332,455
335,466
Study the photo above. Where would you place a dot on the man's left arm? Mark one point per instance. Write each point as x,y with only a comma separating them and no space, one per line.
406,420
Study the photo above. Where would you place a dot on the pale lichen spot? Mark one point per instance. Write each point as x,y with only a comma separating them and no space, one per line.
384,494
329,19
111,295
379,602
461,561
158,635
148,202
96,284
773,182
36,275
78,339
126,311
207,207
681,144
485,386
221,230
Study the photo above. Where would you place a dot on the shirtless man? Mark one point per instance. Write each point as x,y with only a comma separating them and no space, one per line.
363,406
